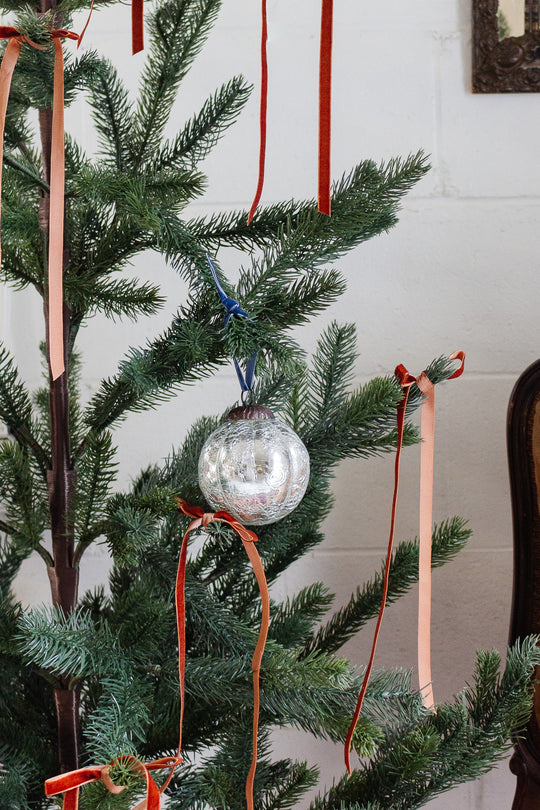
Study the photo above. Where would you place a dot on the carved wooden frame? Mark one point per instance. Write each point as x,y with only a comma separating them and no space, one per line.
523,437
509,66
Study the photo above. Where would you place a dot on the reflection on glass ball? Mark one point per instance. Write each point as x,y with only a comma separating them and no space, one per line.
254,467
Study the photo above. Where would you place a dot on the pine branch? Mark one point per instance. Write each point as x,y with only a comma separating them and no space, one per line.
292,621
96,470
24,496
71,645
16,408
113,112
460,742
290,787
364,203
202,132
448,539
27,171
178,30
188,351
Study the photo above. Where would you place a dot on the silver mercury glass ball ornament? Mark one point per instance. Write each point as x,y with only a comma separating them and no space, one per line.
254,466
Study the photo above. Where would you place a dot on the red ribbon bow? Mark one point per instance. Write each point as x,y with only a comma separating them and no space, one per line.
248,539
427,434
70,783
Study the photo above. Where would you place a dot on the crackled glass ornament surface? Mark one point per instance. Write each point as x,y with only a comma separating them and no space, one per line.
254,467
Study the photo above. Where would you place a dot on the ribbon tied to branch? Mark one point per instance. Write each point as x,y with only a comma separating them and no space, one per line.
70,783
248,538
427,435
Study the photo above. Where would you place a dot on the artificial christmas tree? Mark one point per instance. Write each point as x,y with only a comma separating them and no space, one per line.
92,679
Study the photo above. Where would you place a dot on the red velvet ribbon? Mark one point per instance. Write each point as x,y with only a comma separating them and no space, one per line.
427,434
248,539
137,25
263,107
325,107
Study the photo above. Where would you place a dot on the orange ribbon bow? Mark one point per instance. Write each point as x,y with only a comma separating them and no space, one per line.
71,782
427,435
248,539
325,107
56,216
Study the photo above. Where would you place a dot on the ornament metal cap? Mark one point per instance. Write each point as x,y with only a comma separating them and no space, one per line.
250,412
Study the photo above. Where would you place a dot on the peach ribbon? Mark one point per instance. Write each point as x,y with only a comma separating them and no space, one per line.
325,107
248,539
56,211
70,783
9,61
427,434
56,198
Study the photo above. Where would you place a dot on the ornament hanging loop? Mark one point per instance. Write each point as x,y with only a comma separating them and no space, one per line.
232,306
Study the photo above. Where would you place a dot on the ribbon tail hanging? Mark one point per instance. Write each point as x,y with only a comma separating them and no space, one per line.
248,540
427,433
56,219
7,67
258,570
137,26
325,106
87,23
406,380
262,113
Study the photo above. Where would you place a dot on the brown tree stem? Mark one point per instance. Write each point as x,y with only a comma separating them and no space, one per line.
63,575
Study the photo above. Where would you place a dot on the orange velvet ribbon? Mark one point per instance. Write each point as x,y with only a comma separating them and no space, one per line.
325,107
248,539
71,782
427,434
56,199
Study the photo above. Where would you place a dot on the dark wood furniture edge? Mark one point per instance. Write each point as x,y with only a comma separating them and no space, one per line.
525,618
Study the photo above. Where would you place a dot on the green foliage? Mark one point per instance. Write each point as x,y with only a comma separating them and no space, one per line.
448,539
118,649
459,742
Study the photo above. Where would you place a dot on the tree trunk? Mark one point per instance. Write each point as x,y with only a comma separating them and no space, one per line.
63,575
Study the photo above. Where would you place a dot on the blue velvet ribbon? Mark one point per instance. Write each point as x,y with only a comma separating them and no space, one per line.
232,307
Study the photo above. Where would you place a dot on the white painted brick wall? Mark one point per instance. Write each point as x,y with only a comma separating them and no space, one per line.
459,271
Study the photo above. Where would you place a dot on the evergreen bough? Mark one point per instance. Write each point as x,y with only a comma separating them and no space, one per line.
113,655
